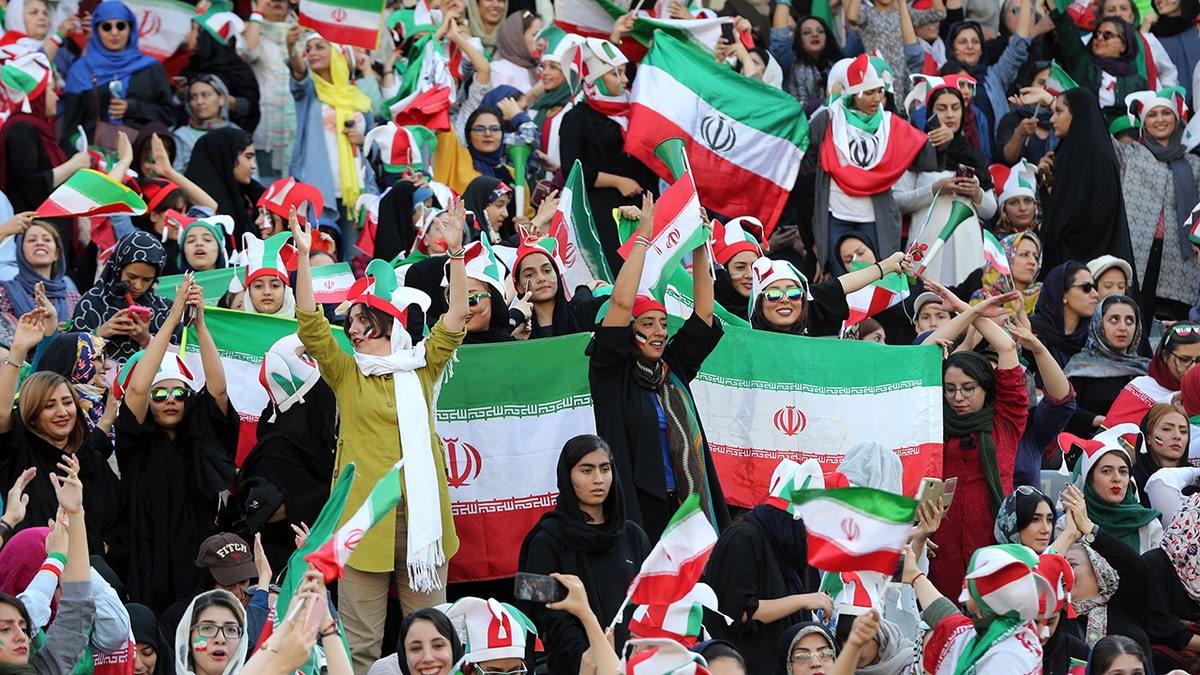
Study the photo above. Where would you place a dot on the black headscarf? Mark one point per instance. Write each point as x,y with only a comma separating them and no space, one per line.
1123,64
395,233
959,150
567,522
476,198
1085,210
566,318
1169,26
498,329
1047,320
213,57
107,296
144,626
294,457
789,545
211,169
727,294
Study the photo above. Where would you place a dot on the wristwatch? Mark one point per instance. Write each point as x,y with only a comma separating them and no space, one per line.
1091,536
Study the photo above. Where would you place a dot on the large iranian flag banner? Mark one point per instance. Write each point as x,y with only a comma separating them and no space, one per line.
764,397
162,25
744,139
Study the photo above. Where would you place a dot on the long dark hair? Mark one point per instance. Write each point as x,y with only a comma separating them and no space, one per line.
828,56
583,445
15,603
976,367
1027,503
440,622
1109,648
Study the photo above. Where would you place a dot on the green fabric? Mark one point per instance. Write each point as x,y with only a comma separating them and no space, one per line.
1123,521
1077,60
27,669
997,631
555,98
955,425
861,120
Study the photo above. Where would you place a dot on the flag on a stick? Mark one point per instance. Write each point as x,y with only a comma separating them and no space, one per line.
90,193
855,529
332,556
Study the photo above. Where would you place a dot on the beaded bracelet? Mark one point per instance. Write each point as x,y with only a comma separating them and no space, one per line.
460,254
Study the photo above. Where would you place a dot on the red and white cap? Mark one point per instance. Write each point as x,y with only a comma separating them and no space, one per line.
789,478
1125,439
493,629
862,76
681,621
1000,579
1019,180
600,57
768,271
665,657
272,257
732,238
1058,574
1140,103
288,192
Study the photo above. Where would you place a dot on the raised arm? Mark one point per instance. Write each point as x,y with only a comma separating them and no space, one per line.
210,358
306,300
861,632
137,392
624,293
455,318
1053,380
859,279
163,167
69,491
702,283
576,603
30,331
990,307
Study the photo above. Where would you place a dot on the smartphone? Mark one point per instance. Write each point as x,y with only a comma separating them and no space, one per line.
538,588
142,313
932,488
116,89
964,171
845,623
898,573
727,32
86,7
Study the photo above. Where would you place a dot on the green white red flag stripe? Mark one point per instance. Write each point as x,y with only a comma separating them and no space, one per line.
595,18
90,193
855,529
678,228
332,556
578,253
348,22
993,254
1058,81
678,559
427,83
745,139
947,222
876,296
320,532
330,282
162,25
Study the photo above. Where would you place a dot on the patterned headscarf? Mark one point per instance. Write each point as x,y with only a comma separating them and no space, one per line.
1099,357
1181,541
996,284
1096,607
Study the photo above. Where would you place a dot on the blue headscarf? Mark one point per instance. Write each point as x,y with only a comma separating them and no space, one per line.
104,64
492,100
20,289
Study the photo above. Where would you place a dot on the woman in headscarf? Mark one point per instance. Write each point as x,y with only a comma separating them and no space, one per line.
1160,181
915,192
782,301
1107,66
206,101
594,134
985,410
203,243
152,649
385,393
175,447
639,376
759,571
536,272
586,535
211,637
1177,352
484,18
114,308
1173,565
222,165
509,105
561,84
853,191
1175,29
79,357
735,250
1064,310
284,481
1168,436
1017,196
27,25
27,136
1104,473
1024,253
513,63
321,85
487,306
41,261
1026,517
1025,132
214,55
113,80
267,45
487,197
1085,211
808,648
1108,362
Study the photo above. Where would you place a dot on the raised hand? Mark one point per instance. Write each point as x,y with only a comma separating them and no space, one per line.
16,500
302,237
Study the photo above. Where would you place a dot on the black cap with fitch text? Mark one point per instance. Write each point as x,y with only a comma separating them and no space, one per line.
228,557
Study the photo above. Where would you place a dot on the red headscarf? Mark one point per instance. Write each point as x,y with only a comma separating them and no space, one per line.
45,126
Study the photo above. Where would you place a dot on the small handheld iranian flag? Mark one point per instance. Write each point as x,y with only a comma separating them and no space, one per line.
578,252
993,254
677,560
330,282
1193,222
855,529
91,193
331,557
959,213
875,297
1058,80
349,22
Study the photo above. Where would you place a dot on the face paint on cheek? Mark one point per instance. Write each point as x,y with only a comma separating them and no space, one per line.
199,644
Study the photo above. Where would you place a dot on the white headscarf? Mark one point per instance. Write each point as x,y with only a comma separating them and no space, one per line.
184,665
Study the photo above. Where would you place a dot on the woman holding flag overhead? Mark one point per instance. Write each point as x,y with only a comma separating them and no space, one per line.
858,151
639,378
385,392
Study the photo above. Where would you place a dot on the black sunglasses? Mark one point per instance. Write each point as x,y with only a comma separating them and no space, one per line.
107,26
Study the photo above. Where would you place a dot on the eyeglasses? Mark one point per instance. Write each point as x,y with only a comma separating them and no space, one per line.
473,299
1086,287
484,670
107,26
820,655
1186,360
210,630
480,129
777,294
160,394
967,390
1109,35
